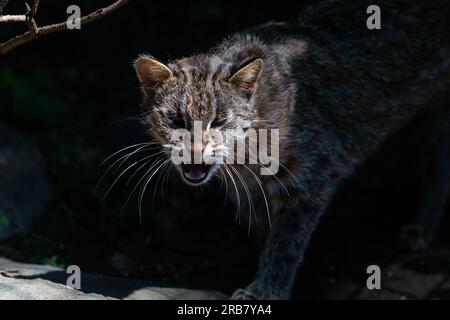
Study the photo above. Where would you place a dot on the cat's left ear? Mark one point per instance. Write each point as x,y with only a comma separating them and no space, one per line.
245,79
151,73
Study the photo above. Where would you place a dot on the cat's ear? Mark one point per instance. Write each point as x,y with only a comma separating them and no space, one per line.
246,77
151,73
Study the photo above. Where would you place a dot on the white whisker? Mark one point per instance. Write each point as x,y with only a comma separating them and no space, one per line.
122,173
157,161
124,158
142,192
238,208
249,197
126,148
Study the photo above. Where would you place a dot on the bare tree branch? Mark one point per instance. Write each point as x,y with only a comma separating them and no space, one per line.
13,18
21,17
35,32
32,26
34,7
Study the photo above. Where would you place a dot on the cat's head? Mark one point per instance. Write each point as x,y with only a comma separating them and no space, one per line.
203,92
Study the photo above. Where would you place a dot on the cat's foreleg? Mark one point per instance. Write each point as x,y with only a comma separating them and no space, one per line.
283,252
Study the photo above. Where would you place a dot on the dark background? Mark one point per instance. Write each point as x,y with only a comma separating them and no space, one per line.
74,93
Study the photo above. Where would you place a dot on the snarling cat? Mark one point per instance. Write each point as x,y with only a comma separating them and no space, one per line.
333,89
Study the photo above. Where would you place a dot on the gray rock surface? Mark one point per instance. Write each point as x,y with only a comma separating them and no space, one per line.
39,282
23,185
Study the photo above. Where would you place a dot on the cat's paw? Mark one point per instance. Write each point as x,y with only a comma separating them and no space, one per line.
252,293
412,239
242,294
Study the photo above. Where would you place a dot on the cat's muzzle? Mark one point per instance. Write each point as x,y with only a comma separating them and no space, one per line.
195,173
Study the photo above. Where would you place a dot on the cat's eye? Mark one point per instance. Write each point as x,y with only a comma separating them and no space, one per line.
177,122
217,122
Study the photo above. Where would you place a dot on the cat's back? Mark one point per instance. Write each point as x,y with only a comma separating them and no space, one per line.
414,36
416,27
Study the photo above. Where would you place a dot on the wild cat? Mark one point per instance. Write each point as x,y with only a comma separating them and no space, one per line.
334,89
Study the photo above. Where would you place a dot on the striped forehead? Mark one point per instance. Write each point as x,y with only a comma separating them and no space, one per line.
199,70
198,76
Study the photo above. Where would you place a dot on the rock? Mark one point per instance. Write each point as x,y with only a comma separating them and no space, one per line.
23,185
39,282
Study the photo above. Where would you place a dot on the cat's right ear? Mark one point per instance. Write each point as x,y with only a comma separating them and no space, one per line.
245,78
151,73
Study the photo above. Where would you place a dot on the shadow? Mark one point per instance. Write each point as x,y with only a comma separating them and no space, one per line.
438,264
108,286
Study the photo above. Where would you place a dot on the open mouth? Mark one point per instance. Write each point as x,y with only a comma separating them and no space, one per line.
195,173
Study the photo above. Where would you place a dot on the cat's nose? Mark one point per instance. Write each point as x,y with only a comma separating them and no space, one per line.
197,148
